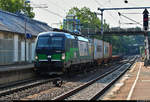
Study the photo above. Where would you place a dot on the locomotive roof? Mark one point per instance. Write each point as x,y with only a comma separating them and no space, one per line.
57,34
82,38
67,35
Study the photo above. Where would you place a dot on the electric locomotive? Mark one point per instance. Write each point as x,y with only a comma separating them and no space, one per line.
57,52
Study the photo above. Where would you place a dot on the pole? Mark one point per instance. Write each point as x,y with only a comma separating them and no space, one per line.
102,30
66,24
73,23
145,26
102,23
147,47
25,35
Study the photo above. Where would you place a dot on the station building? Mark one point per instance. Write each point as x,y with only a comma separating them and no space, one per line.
12,37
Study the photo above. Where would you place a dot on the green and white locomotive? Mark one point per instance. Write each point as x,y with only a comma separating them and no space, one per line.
59,52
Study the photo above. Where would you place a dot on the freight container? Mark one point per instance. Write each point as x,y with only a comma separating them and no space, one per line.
98,51
110,50
106,50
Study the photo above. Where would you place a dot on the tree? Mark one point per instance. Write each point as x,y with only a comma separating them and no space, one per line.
87,18
15,6
120,44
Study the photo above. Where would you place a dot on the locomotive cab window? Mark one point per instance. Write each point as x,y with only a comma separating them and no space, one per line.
50,42
43,42
57,42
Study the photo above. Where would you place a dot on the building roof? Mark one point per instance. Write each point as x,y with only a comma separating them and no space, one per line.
16,23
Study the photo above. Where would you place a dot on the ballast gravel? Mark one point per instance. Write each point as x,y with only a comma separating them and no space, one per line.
48,91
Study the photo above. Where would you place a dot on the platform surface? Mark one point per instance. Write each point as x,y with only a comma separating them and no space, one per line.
134,85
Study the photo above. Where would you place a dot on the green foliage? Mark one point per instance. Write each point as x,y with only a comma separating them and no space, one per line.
123,44
120,44
87,18
16,6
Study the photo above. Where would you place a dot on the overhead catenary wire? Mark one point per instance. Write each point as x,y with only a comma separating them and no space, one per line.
111,16
98,3
54,13
129,18
55,4
132,19
33,5
131,13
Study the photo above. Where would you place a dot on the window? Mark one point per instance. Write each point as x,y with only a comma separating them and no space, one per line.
57,42
49,42
43,42
8,36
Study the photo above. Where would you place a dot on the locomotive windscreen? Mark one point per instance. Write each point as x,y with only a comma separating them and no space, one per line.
56,42
50,42
43,42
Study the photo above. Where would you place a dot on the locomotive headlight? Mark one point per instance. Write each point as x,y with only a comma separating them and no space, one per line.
63,56
49,56
36,57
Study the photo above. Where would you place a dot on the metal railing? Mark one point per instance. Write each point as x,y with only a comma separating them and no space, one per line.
90,31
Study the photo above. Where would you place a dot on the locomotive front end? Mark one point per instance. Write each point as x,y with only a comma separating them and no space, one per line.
49,54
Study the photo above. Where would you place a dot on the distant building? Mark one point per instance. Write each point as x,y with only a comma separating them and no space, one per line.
12,37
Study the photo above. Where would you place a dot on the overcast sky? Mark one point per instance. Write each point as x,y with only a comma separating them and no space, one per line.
57,9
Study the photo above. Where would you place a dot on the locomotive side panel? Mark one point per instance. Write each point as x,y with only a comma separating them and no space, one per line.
72,52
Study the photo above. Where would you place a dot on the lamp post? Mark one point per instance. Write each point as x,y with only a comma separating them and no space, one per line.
26,2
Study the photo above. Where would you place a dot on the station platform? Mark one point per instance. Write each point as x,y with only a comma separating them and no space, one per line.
15,72
16,67
134,85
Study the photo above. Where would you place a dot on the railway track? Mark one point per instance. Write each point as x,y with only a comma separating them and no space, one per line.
95,88
23,85
26,84
13,90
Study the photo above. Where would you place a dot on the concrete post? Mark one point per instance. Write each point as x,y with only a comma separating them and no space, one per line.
15,48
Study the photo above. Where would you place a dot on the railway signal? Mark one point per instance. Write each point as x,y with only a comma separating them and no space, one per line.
145,27
145,19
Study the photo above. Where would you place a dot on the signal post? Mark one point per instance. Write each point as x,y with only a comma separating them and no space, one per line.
145,27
